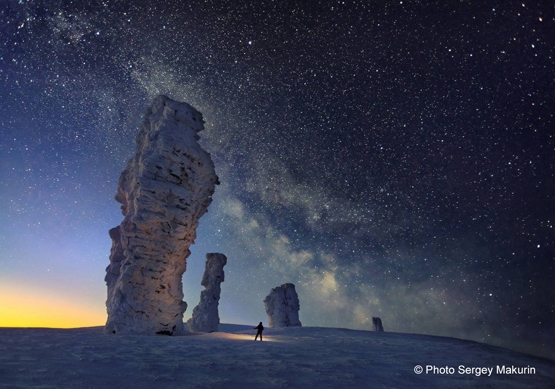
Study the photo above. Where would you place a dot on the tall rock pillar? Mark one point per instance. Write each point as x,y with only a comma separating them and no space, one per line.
282,307
205,315
164,190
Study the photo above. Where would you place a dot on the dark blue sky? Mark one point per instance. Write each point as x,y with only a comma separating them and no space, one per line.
393,159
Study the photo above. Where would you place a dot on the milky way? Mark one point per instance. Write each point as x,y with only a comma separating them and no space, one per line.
392,160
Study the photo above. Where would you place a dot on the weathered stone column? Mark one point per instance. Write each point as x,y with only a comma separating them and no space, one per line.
282,307
377,324
164,190
205,315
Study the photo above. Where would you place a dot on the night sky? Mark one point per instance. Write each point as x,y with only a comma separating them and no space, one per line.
389,158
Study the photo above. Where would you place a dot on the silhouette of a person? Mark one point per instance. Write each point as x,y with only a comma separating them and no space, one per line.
260,328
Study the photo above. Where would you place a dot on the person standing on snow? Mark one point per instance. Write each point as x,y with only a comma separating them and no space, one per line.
260,328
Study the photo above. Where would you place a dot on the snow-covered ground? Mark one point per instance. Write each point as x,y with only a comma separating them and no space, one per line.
308,357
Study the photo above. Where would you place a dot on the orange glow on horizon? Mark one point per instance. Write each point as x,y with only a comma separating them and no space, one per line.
23,308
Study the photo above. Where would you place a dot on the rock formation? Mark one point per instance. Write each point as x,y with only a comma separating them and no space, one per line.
282,307
164,190
377,324
205,315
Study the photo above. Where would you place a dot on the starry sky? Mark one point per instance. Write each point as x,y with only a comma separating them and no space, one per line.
389,158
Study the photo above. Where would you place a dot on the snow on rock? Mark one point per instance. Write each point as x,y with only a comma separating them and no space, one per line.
377,324
282,306
205,315
164,190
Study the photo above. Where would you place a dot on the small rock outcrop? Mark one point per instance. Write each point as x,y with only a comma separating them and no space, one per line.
164,190
205,315
377,324
282,307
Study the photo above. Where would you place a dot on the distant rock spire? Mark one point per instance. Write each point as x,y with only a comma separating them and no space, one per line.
282,307
205,315
164,190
